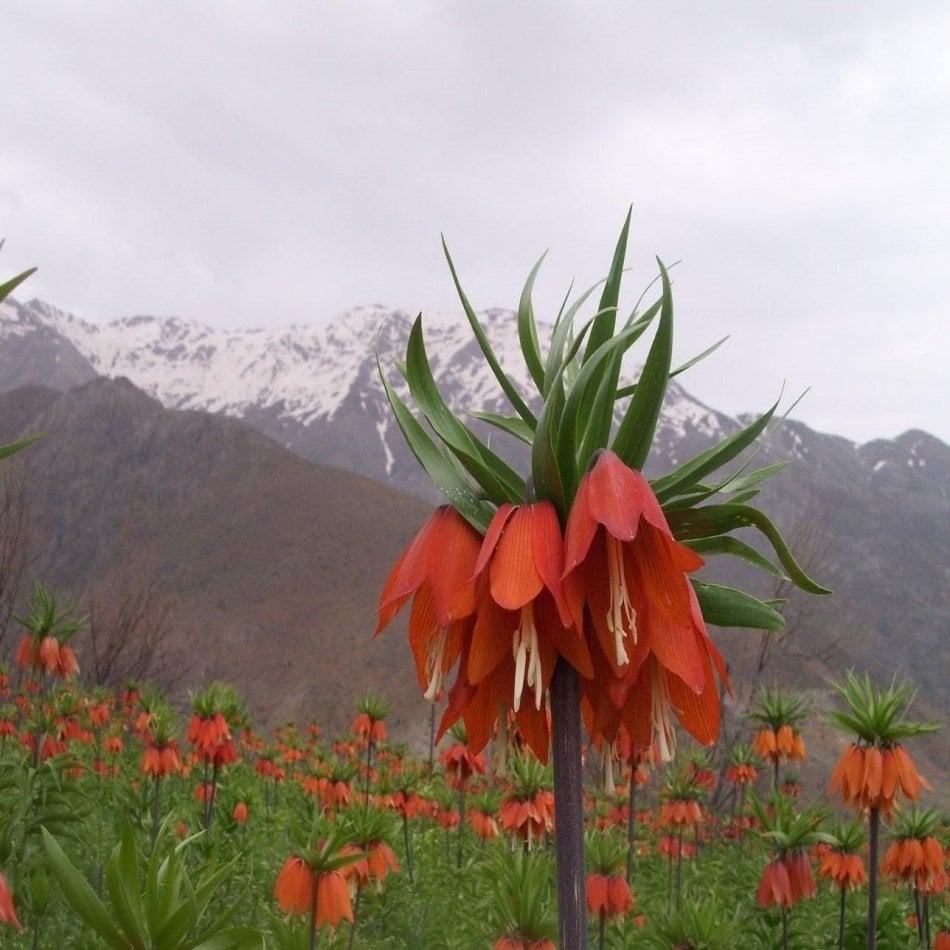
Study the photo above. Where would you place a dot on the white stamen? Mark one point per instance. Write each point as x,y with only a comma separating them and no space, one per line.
621,615
434,671
527,657
663,731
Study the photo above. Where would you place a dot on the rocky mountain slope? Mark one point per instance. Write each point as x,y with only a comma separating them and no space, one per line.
271,565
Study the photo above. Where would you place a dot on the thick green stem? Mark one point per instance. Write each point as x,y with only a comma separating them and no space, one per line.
407,840
313,911
356,915
458,856
874,829
156,809
631,821
369,767
569,807
679,869
841,916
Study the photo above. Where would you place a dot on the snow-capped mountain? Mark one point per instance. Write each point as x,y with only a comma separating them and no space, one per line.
304,386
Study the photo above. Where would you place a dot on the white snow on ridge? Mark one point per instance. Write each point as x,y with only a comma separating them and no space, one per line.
305,372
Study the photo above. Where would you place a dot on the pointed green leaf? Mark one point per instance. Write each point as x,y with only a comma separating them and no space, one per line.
512,425
573,425
635,434
629,390
500,482
547,470
234,938
528,329
711,459
711,520
14,282
7,450
603,328
560,336
445,472
728,607
724,544
509,389
80,896
122,883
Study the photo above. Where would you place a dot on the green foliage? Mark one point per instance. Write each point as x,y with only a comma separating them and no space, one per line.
580,405
46,618
166,906
522,897
877,716
775,707
703,925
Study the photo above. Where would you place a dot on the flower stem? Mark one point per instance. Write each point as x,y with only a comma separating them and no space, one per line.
841,914
631,821
569,807
679,869
458,857
874,826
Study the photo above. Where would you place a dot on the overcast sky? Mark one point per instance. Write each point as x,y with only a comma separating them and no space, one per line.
249,164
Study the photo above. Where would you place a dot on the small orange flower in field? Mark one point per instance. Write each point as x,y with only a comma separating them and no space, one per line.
870,776
239,814
294,887
461,763
7,910
99,714
333,899
49,655
845,871
367,729
298,886
160,758
741,774
447,818
781,744
381,860
609,896
529,818
916,855
485,826
786,881
841,861
775,887
681,812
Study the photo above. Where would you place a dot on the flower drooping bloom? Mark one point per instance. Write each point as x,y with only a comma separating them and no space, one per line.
47,654
297,886
845,870
621,560
609,895
872,777
7,910
786,880
523,556
626,581
436,571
